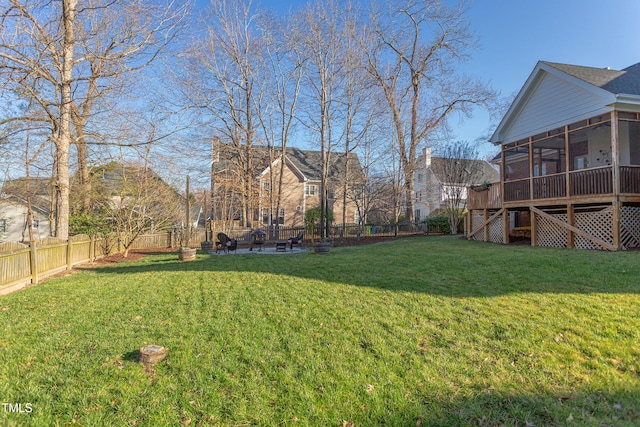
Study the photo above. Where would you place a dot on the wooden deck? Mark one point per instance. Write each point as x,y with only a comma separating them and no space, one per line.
597,185
596,208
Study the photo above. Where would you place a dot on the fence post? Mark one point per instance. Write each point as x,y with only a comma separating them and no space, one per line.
69,253
33,262
92,248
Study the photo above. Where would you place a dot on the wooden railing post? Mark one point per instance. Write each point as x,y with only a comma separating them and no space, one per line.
486,226
570,221
505,227
534,228
33,262
616,205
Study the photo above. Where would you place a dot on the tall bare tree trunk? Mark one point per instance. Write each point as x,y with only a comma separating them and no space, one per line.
63,141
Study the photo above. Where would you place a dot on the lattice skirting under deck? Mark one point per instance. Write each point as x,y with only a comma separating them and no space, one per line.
630,226
550,234
477,219
598,224
495,228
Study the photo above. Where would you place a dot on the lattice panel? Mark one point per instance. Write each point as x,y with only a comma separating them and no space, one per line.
496,230
630,226
550,234
598,224
476,221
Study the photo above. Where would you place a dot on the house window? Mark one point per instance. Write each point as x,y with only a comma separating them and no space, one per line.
3,225
265,216
35,223
417,215
310,190
266,186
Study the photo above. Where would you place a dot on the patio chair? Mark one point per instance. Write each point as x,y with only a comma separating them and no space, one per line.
225,244
296,240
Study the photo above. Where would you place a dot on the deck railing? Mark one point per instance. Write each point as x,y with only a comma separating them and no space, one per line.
630,179
588,182
550,186
517,190
582,183
482,198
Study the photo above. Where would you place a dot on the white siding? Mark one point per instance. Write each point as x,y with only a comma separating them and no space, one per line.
15,215
553,102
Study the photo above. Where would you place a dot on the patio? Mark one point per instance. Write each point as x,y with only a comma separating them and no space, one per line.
266,250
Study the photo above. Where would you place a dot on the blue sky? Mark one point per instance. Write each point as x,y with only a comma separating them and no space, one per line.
515,34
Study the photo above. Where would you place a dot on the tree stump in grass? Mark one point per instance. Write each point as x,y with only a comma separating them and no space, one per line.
152,354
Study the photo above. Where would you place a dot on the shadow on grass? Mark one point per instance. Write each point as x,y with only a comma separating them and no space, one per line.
496,409
435,265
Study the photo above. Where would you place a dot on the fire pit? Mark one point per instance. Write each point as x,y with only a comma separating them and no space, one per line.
258,237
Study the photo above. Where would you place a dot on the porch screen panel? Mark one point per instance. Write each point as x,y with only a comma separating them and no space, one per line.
516,161
629,137
590,144
549,166
578,150
629,142
549,156
516,172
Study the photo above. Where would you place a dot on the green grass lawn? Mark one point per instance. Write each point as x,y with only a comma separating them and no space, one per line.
420,331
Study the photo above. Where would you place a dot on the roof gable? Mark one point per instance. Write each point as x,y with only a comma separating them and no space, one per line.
479,171
617,82
557,94
307,164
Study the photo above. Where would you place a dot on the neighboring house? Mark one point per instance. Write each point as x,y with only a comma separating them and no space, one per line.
570,162
300,189
14,210
130,193
438,179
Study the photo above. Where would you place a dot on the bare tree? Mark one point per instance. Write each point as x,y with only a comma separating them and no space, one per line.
359,109
419,44
49,54
220,81
116,40
319,36
457,169
281,75
367,191
135,200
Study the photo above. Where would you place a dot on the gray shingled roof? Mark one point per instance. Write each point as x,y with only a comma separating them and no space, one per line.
308,162
625,81
38,188
485,172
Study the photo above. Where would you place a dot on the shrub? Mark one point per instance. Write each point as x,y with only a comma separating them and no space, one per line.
438,224
312,218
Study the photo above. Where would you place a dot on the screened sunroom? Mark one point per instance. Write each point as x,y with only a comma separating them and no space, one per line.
570,162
